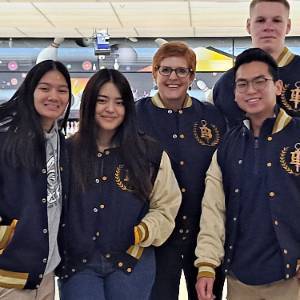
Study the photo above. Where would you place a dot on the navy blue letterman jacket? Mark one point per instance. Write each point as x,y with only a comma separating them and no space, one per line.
190,137
24,244
253,258
107,218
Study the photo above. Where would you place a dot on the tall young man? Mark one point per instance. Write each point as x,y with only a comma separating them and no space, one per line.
268,25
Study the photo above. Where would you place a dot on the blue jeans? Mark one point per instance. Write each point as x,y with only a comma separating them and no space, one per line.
100,280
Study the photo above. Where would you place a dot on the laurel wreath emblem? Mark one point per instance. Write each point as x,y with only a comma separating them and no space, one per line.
120,183
284,101
214,141
284,164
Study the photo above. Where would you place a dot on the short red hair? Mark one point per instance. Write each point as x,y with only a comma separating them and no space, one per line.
176,48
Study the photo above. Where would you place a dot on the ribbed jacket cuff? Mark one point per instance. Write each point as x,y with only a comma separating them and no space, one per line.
141,233
206,270
6,233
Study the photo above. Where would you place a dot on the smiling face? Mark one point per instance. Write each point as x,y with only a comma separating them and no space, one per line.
257,103
173,89
51,97
110,110
268,25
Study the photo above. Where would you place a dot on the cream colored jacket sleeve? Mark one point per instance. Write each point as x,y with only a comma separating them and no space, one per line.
165,199
210,242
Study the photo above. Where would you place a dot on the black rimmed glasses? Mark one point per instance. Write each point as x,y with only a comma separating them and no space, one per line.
180,71
258,84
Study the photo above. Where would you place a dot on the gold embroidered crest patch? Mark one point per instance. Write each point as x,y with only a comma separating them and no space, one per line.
290,159
122,178
290,97
206,134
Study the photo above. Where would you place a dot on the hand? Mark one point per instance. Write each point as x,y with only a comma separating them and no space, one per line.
204,287
298,274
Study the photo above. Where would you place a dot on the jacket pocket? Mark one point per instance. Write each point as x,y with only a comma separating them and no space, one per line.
6,234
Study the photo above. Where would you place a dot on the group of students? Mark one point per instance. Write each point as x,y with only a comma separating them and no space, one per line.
90,208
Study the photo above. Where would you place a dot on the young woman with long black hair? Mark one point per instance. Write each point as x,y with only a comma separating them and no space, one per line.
124,198
32,160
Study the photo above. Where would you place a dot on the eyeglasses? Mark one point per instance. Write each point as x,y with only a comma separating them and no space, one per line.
180,72
258,84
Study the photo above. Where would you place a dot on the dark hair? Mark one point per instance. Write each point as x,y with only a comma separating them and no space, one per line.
175,48
25,143
257,54
132,147
284,2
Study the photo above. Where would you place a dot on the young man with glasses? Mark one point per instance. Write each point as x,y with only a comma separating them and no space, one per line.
189,131
251,207
268,25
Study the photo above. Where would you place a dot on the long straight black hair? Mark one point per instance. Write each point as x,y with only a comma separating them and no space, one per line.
132,146
24,145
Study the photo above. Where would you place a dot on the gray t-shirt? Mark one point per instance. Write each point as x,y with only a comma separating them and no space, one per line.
54,196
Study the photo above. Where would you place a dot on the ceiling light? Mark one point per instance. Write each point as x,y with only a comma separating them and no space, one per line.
133,39
160,41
